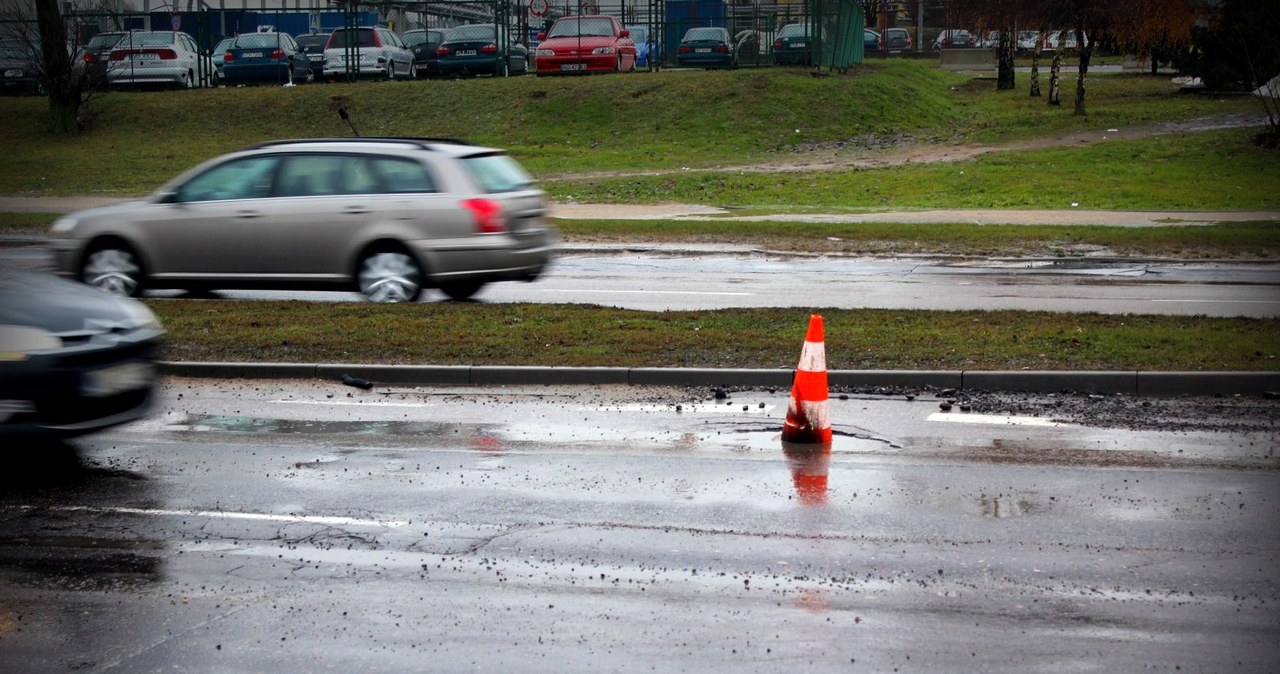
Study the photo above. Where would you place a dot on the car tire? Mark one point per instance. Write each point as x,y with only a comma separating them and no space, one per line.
413,71
387,275
288,76
461,291
113,267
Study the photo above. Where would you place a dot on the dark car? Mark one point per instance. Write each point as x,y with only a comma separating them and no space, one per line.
870,42
73,359
265,57
794,45
706,48
895,39
20,71
423,43
312,45
473,50
97,54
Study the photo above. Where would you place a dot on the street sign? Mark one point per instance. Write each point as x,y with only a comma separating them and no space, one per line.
539,7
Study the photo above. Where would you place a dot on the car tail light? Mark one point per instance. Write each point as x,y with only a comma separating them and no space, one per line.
228,57
442,51
722,48
489,49
685,50
777,44
487,214
277,53
118,55
88,58
164,54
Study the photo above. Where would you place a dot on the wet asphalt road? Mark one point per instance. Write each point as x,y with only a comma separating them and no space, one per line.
303,526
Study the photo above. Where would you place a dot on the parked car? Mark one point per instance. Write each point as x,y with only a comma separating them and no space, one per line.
75,359
1067,38
1028,39
751,45
266,56
96,54
385,217
895,40
646,47
158,57
20,71
423,43
707,47
794,45
376,50
473,50
870,41
312,45
585,44
954,38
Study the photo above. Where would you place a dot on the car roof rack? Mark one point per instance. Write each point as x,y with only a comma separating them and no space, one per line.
421,141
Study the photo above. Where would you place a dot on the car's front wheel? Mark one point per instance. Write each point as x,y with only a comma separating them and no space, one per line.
390,276
113,267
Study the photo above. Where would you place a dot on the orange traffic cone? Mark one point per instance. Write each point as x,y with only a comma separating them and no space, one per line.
808,417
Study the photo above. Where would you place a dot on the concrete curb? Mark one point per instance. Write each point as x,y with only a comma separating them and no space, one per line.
1030,381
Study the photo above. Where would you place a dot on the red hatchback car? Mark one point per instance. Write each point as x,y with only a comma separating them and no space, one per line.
585,44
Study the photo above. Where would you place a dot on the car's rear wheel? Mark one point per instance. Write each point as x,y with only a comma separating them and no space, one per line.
389,275
288,76
461,290
113,267
391,71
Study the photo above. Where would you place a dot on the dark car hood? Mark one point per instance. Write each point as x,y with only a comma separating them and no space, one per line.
60,306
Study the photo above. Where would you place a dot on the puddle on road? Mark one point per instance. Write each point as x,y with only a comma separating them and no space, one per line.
247,424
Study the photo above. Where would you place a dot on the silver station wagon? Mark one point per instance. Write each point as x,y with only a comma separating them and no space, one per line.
386,217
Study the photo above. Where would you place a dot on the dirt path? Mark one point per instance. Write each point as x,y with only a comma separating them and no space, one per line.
878,152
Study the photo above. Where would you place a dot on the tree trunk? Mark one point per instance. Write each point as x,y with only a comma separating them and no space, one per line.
59,80
1055,82
1035,69
1005,75
1086,51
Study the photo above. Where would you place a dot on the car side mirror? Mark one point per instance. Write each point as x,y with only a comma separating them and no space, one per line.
624,33
542,36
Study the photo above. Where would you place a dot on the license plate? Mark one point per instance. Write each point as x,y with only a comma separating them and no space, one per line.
799,45
703,50
251,54
573,66
465,52
117,379
144,57
317,57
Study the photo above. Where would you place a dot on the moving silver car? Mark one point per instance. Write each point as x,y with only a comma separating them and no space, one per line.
387,217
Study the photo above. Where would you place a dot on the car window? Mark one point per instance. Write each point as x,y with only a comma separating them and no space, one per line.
351,38
497,173
415,37
311,41
705,34
403,175
104,40
315,175
244,178
472,32
586,27
258,40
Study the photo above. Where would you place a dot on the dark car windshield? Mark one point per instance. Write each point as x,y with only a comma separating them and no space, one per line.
706,34
482,31
255,40
497,173
794,30
417,37
579,26
363,37
104,40
310,42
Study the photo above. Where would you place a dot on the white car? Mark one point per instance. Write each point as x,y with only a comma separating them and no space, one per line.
159,57
375,51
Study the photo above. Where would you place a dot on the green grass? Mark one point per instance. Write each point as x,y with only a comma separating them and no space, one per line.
666,120
26,223
450,333
1202,171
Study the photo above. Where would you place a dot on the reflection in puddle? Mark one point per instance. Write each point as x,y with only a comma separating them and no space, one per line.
809,467
245,424
1005,506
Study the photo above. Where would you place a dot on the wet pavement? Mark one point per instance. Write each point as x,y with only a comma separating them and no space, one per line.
311,526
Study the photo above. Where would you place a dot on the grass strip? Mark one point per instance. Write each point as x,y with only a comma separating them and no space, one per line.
461,333
1217,170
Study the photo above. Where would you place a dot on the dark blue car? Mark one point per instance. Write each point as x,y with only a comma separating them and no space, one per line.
473,50
706,48
265,57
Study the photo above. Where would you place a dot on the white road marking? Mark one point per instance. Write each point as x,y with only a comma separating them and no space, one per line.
228,515
994,419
